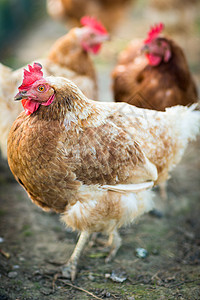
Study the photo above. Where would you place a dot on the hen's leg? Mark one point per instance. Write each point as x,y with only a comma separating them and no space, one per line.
114,242
163,190
96,240
70,269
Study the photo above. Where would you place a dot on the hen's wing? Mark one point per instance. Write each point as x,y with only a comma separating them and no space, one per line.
106,153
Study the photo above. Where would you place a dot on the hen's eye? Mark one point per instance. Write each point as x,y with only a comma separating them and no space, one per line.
92,35
41,88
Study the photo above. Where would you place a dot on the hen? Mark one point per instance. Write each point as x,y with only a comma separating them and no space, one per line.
94,162
157,80
108,11
68,58
179,14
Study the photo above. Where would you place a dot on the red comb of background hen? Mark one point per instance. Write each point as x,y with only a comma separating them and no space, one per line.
93,23
154,32
31,76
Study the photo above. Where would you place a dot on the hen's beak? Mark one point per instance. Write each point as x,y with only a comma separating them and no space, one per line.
145,49
21,95
102,38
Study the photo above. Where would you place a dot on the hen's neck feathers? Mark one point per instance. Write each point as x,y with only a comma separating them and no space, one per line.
70,105
68,52
177,59
176,67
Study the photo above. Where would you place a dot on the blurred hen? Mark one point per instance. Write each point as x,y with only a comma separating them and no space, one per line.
68,57
156,80
178,14
108,11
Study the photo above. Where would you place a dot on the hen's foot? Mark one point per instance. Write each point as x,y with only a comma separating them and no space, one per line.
163,190
96,240
115,243
69,270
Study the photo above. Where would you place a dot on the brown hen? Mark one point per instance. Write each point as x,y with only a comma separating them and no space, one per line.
94,162
156,80
109,12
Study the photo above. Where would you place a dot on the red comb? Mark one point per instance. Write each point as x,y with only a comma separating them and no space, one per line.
31,76
93,23
154,32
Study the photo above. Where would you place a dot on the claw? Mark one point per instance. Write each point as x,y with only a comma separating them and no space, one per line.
110,256
69,270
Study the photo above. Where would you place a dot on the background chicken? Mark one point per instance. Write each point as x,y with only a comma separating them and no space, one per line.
178,13
68,57
91,161
157,80
108,11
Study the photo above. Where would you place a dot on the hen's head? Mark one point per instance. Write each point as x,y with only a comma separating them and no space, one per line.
156,48
92,34
34,90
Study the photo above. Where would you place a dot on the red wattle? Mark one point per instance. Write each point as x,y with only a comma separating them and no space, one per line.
30,106
96,48
154,60
93,49
49,101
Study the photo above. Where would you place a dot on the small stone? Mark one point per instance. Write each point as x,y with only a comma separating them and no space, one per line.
1,239
118,277
155,252
141,252
22,259
46,291
36,272
12,274
103,293
91,277
16,267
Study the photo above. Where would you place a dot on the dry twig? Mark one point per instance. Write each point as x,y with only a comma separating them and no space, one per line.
184,282
80,289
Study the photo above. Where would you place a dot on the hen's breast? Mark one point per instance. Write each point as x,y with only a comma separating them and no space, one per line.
35,162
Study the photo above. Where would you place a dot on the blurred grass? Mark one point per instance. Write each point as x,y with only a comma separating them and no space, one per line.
15,17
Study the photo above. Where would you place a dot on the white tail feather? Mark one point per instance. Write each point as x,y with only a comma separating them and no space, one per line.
185,122
129,188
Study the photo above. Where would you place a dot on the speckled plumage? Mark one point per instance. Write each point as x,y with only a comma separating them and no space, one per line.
95,162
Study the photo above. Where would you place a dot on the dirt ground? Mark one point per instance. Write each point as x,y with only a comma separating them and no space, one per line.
34,244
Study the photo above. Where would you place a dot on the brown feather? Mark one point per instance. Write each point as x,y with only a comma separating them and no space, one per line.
142,85
53,159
